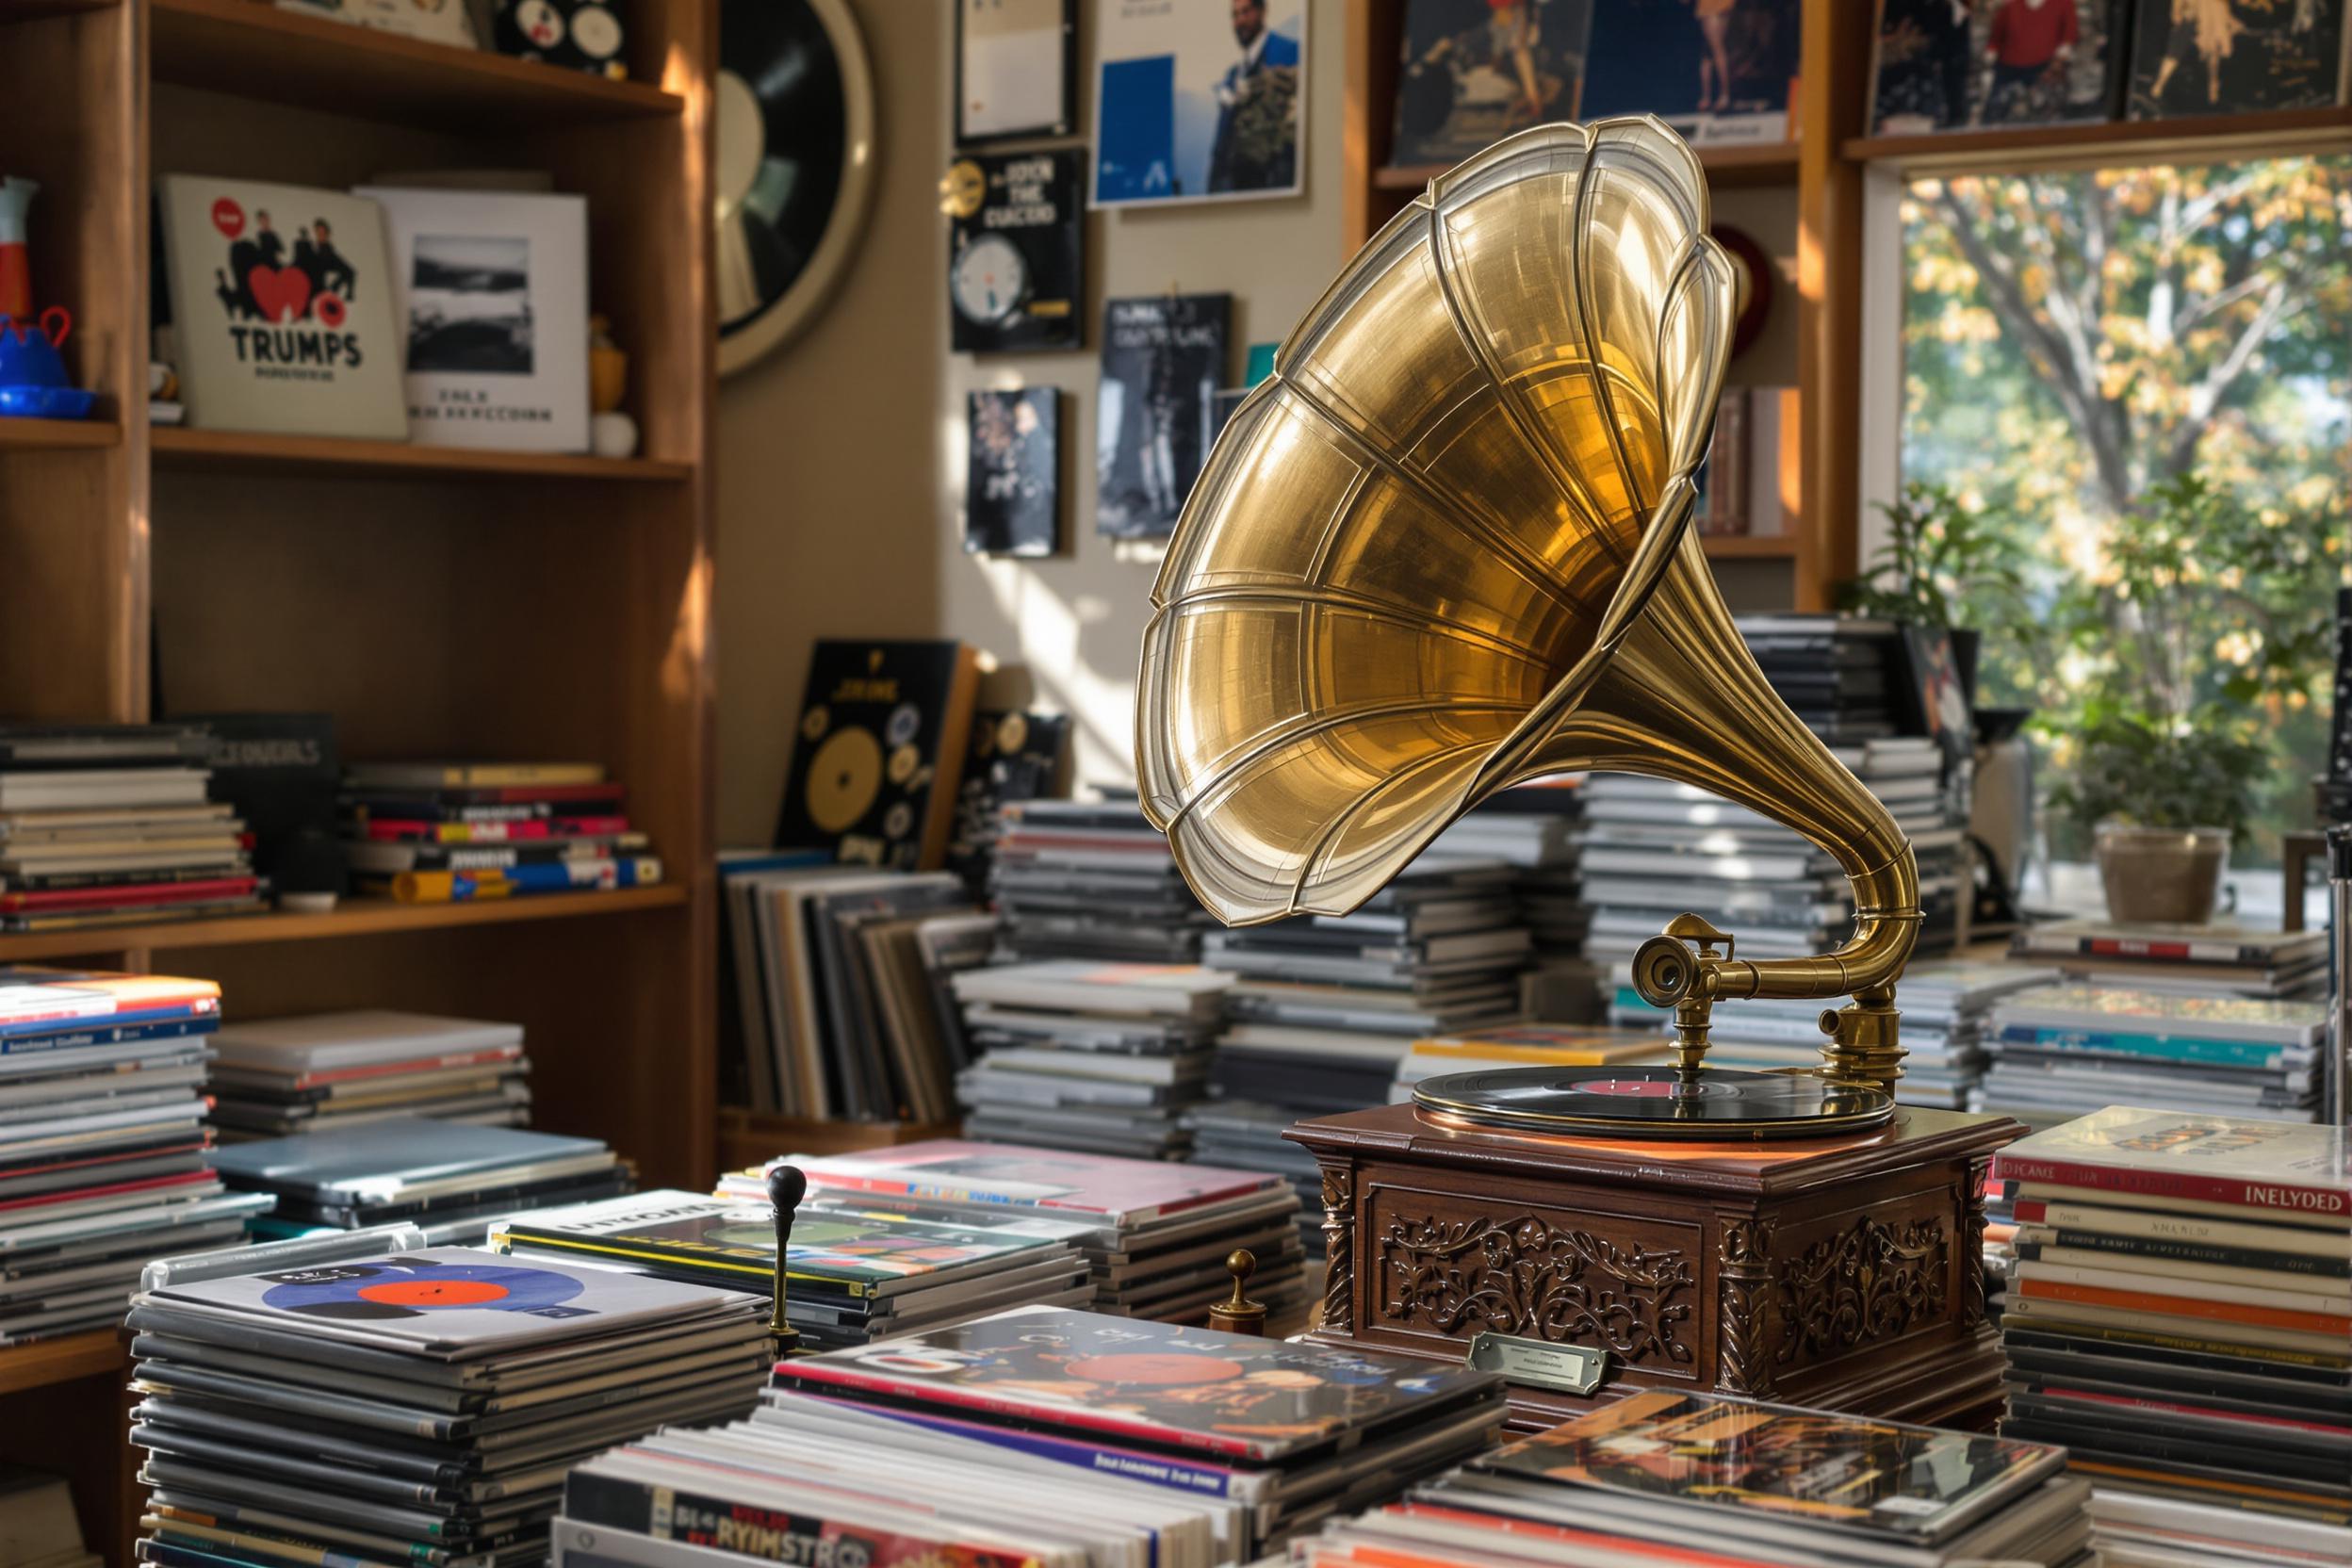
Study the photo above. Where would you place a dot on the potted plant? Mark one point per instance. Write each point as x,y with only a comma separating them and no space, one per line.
2162,801
1940,565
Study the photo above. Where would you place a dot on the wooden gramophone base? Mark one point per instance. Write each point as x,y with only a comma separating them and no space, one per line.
1840,1273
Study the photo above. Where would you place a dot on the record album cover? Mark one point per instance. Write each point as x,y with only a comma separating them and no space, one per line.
1198,102
1016,250
1160,1383
879,751
1012,475
1717,70
1163,360
2232,57
491,291
282,308
1474,71
1098,1186
1939,67
1015,756
1707,1450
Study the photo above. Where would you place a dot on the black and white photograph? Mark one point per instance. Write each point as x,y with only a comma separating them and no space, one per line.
1163,360
469,305
492,296
1012,493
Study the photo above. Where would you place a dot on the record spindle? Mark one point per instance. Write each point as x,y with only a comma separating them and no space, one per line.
1238,1314
787,1187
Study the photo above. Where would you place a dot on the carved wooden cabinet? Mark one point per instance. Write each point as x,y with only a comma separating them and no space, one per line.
1843,1273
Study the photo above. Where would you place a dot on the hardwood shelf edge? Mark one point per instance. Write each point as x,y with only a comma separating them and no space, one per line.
1741,547
46,1363
59,434
181,447
2025,146
1727,163
356,916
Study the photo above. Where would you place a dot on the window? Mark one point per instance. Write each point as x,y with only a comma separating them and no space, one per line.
2140,376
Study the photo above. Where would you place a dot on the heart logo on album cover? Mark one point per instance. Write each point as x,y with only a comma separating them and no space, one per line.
282,292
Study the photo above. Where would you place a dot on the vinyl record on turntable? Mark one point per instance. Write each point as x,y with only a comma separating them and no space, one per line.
795,105
1653,1103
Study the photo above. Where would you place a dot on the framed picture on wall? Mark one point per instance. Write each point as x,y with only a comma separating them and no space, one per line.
1012,483
1198,102
1163,360
1015,69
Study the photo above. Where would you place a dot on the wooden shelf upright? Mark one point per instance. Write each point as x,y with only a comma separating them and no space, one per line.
434,602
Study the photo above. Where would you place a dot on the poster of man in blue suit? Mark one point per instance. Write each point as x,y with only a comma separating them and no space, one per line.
1199,100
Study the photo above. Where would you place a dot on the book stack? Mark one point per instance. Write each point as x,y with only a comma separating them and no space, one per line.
1524,1045
839,985
1093,879
2060,1052
1038,1438
1663,1478
1156,1234
416,1408
1078,1053
449,1179
2219,960
110,825
440,832
105,1157
38,1527
329,1071
854,1278
2181,1319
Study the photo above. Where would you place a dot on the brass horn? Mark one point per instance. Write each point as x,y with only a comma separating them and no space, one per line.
1448,547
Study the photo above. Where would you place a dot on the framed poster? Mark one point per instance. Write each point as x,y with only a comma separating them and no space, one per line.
1718,71
1475,70
1163,360
1199,101
491,292
1016,250
1012,475
1015,69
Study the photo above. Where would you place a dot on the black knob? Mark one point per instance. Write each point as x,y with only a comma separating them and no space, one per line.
787,1187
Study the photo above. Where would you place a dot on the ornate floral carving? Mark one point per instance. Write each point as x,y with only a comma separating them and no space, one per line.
1527,1276
1864,1284
1743,1308
1972,1254
1339,1248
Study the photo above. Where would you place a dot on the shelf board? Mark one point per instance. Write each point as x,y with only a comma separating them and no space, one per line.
1739,546
253,50
29,11
99,1353
2109,142
177,446
352,917
1768,163
59,434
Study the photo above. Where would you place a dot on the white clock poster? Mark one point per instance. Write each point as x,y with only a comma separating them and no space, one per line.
1015,252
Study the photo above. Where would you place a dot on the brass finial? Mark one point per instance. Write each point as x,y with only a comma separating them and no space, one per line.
1238,1314
787,1187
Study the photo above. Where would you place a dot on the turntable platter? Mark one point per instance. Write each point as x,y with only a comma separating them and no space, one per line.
1638,1102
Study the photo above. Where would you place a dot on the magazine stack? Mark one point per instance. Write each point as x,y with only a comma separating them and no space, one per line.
1155,1234
449,1179
104,1156
2060,1052
1038,1438
442,832
853,1276
1088,1054
112,825
1663,1478
329,1071
2219,960
1091,879
2181,1318
419,1407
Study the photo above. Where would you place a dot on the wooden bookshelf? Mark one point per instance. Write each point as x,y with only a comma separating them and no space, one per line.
2013,149
435,602
1734,547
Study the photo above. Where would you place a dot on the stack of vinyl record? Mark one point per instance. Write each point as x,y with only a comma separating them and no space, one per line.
435,832
327,1071
853,1278
1039,1437
1156,1234
416,1408
2181,1319
110,825
1524,1045
2059,1052
2219,960
447,1178
1531,828
103,1152
1091,879
1077,1054
1665,1478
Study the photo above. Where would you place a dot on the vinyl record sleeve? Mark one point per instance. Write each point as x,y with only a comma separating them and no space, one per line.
321,1042
1122,1192
1016,252
881,741
1185,1388
386,1160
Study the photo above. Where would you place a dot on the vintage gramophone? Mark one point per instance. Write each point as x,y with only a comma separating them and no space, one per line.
1445,548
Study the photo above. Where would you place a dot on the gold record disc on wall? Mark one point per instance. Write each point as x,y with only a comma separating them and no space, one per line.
796,112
